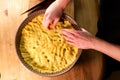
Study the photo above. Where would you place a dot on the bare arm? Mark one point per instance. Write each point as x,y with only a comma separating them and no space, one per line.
84,40
109,49
63,3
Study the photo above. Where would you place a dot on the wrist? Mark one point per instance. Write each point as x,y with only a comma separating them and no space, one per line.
94,42
98,44
63,3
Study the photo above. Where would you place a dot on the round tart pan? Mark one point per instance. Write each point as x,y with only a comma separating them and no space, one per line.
18,37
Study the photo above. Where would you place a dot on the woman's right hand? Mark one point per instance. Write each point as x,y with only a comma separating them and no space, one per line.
53,14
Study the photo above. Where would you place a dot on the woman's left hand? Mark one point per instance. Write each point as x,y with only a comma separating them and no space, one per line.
79,38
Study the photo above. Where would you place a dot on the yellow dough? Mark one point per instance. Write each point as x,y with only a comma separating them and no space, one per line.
46,50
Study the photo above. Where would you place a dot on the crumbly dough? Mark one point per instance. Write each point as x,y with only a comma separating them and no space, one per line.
46,50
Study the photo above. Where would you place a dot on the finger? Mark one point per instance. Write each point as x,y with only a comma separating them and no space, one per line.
68,38
71,43
70,33
55,22
67,35
84,30
44,19
46,22
66,31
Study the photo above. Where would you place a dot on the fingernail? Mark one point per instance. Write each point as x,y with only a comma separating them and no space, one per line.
43,22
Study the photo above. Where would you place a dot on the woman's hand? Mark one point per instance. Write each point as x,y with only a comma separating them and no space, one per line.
53,14
79,38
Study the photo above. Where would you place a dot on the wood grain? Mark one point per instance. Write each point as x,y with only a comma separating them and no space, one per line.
86,14
88,67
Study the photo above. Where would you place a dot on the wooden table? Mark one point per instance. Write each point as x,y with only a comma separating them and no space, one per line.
88,67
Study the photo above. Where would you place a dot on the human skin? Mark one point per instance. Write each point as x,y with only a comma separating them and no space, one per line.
84,40
54,12
79,38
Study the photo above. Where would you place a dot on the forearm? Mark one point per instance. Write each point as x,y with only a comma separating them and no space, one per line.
109,49
63,3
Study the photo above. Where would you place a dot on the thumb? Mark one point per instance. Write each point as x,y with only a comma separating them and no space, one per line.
46,23
55,22
84,30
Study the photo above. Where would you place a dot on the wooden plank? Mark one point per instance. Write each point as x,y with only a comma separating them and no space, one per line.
70,9
86,14
11,68
10,19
